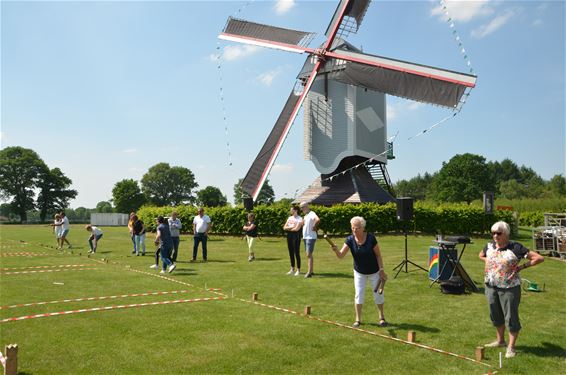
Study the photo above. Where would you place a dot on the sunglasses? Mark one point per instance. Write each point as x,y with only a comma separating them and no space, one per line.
498,233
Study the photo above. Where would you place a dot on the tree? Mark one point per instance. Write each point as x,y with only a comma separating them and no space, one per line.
463,178
20,171
416,187
266,194
211,196
104,207
168,186
127,196
54,193
557,186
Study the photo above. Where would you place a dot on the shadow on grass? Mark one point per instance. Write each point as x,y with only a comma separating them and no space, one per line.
392,327
335,275
268,259
215,261
547,349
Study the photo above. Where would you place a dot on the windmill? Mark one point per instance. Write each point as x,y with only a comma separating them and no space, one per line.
343,91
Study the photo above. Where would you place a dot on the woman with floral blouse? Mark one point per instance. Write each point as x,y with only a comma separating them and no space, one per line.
503,283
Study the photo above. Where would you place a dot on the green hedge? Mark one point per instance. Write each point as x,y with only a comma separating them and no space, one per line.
428,218
531,218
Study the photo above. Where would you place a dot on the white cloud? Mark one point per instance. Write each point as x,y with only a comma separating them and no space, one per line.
130,151
494,25
413,106
391,111
396,109
282,168
537,22
235,52
283,6
463,10
267,77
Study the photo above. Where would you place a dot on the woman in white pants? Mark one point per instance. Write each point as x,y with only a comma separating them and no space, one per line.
368,266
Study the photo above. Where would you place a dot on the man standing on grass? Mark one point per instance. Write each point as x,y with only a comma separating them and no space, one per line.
175,228
201,226
163,239
310,226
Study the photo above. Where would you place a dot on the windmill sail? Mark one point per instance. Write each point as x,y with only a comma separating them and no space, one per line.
259,169
408,80
266,36
350,21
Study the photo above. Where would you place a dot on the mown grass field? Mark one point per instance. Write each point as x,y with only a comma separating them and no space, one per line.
233,335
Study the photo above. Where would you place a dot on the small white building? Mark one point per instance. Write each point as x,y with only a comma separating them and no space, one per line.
109,220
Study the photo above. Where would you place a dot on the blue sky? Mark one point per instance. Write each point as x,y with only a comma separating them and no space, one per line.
105,90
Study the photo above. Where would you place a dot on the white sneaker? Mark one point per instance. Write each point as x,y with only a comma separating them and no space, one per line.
290,272
510,353
297,273
171,268
162,271
153,266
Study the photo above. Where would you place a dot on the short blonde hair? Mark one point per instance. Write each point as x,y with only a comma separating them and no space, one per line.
501,226
360,220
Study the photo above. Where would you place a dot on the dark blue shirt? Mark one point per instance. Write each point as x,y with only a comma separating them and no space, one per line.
165,240
365,261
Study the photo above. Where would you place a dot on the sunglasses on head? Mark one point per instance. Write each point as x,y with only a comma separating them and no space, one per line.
498,233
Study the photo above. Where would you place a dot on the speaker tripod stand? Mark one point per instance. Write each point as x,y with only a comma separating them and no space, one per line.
406,261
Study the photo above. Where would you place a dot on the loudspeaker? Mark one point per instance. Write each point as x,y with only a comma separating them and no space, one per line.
404,209
488,202
248,204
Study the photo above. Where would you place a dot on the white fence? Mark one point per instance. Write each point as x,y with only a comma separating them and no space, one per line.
109,219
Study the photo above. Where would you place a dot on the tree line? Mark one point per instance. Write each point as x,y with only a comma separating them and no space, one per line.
465,177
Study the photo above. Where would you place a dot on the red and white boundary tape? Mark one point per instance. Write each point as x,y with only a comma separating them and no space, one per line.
93,299
43,271
107,308
368,332
36,267
28,254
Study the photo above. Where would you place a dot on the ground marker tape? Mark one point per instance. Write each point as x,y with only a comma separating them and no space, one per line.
93,298
43,271
107,308
368,332
59,266
23,254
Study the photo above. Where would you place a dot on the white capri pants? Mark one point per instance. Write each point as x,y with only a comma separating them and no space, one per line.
360,281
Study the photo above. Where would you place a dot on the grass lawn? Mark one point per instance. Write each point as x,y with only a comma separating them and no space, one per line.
209,331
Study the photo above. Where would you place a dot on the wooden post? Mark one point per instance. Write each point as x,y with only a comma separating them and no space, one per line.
307,310
11,359
254,296
480,353
411,336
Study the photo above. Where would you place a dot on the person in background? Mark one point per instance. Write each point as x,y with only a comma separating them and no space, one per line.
503,283
57,230
64,231
131,230
201,225
251,234
175,228
96,235
310,226
163,239
139,235
293,227
368,266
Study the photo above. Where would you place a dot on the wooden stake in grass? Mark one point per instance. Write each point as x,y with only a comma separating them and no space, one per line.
411,336
11,367
307,310
254,296
480,353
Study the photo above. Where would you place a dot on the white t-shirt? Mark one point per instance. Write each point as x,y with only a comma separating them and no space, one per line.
58,228
292,221
96,231
308,232
65,225
201,223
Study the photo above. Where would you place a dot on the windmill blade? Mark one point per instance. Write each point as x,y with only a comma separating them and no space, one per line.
258,34
257,174
349,22
400,78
